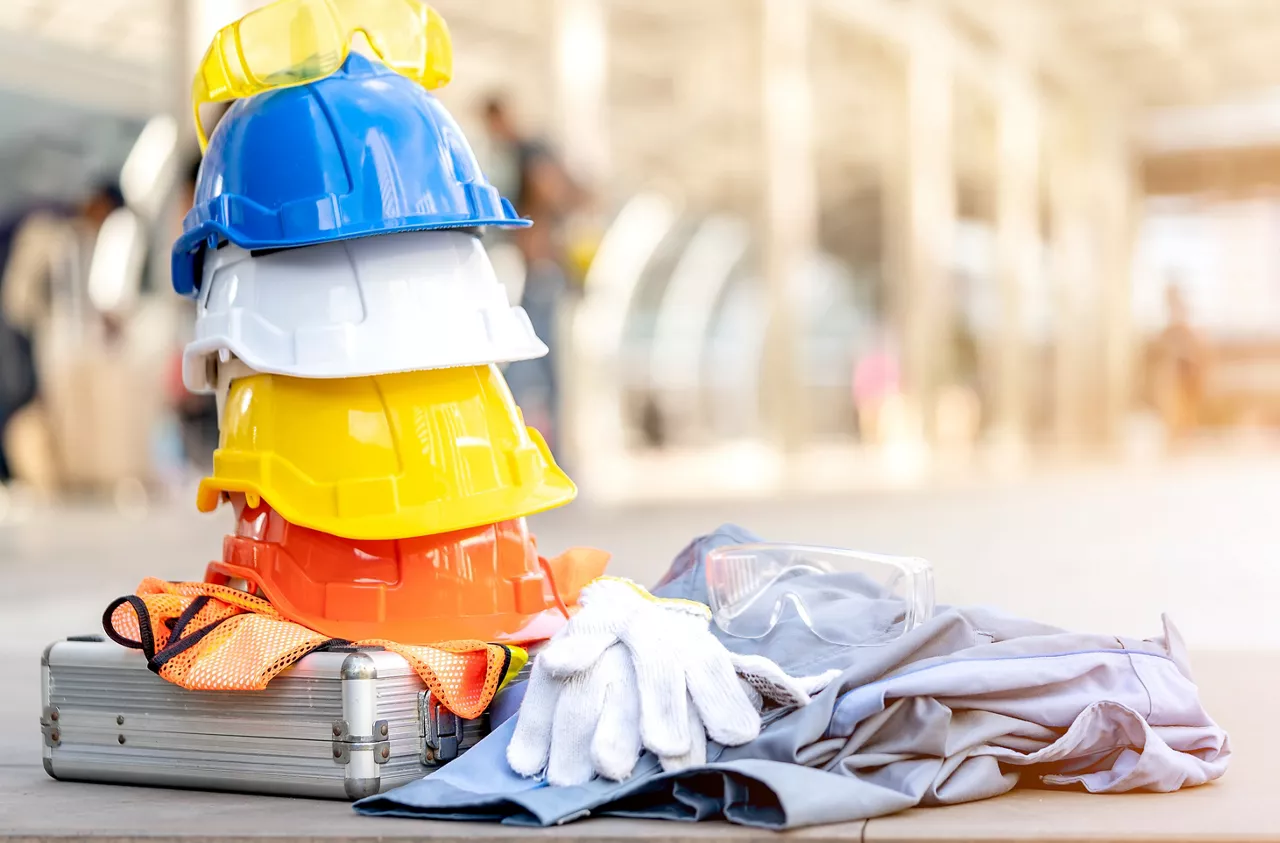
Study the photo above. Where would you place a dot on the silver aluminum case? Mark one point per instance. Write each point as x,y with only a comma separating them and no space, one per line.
338,725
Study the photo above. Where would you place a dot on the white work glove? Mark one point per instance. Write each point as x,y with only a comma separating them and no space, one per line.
631,671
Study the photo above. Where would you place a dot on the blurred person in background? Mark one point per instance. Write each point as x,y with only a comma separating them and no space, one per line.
876,385
44,297
17,384
17,367
526,171
102,200
47,268
1181,361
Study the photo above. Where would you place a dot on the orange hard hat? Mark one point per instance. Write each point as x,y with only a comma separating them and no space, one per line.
485,583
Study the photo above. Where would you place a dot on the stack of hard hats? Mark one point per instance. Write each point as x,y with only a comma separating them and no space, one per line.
350,323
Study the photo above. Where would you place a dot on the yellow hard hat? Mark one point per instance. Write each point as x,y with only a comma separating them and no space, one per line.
384,457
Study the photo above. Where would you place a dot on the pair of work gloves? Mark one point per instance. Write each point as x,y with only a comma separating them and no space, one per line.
632,672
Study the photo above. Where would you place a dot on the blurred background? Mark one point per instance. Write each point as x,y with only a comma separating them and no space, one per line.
992,281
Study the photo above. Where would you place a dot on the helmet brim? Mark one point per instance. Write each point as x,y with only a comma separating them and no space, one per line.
187,248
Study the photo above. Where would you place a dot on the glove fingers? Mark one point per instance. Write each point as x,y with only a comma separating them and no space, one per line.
571,654
727,711
697,754
576,719
664,697
615,748
531,741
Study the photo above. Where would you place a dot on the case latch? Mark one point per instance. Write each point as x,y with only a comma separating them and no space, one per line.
440,730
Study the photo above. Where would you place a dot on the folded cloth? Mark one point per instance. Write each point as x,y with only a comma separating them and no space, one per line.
965,707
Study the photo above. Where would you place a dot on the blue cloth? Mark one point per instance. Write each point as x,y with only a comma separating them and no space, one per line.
506,703
962,708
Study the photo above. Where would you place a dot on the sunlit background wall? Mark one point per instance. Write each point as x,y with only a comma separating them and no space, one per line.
829,244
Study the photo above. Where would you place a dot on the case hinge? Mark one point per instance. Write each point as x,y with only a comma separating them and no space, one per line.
50,726
344,743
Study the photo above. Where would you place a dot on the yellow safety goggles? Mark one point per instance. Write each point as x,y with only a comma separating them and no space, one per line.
293,42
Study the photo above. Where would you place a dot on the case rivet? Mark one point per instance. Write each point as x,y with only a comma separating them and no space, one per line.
337,730
53,716
337,753
119,719
120,738
56,735
386,752
384,730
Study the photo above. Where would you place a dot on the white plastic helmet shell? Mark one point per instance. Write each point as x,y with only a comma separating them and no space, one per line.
369,306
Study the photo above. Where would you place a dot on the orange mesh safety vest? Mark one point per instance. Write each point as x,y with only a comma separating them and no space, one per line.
207,637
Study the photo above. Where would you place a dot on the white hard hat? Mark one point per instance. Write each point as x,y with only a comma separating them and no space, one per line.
369,306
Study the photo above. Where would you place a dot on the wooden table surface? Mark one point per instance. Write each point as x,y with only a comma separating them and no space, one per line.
1240,690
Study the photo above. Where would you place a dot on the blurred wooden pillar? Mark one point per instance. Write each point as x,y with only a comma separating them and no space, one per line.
1017,243
189,32
581,62
1093,188
1074,285
180,59
1117,191
790,209
921,211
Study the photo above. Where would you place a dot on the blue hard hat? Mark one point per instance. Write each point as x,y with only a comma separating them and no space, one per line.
363,151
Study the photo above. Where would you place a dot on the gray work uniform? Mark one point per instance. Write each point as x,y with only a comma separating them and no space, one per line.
964,707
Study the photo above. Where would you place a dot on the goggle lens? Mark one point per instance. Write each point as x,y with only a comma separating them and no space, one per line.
294,42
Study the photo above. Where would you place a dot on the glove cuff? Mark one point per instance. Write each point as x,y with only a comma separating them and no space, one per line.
619,591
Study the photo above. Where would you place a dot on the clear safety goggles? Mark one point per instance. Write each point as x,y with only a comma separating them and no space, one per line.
842,596
293,42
